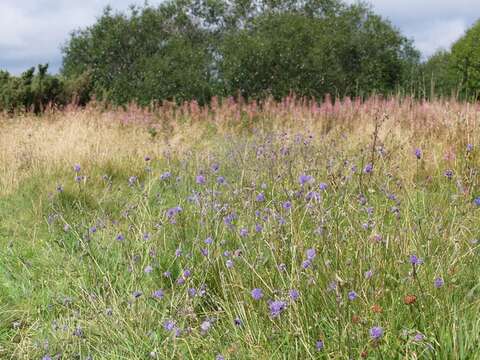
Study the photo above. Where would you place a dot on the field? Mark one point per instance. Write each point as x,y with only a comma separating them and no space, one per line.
290,230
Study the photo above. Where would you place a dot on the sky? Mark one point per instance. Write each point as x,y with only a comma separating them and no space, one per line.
33,31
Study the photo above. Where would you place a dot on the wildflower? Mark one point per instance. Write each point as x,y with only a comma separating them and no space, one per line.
192,292
306,264
258,228
220,180
449,174
277,307
368,274
165,175
287,205
418,153
215,167
219,357
148,269
414,260
303,179
260,197
169,325
368,168
319,345
78,332
208,240
243,232
200,179
322,186
352,295
158,294
438,282
311,253
376,332
229,263
477,201
294,294
237,322
186,273
77,168
257,294
469,147
120,237
282,267
419,337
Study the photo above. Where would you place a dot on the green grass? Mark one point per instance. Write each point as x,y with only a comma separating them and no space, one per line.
56,280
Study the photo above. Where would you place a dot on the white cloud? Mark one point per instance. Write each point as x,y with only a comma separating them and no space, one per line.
32,31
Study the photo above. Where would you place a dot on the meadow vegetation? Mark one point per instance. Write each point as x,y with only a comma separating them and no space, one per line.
241,230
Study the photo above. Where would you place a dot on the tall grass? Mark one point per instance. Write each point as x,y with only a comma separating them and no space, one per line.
130,234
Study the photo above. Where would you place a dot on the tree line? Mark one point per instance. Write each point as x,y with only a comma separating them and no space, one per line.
195,49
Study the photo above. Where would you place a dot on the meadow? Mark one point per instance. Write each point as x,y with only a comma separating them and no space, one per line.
272,230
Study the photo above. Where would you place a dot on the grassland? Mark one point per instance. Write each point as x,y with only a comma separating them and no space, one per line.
289,230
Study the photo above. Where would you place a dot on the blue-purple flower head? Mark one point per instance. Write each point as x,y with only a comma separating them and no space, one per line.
469,147
294,294
158,294
305,179
438,282
418,153
415,260
352,295
311,253
220,180
376,332
477,201
200,179
166,175
319,345
260,197
287,205
169,325
257,294
277,307
323,186
77,168
449,174
368,168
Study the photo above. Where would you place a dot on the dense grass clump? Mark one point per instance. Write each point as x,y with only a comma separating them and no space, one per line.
289,234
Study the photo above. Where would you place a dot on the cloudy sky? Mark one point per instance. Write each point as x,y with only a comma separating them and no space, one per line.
32,31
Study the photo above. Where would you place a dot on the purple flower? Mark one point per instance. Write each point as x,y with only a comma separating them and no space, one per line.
368,168
148,269
418,153
306,264
287,205
200,179
414,260
192,292
477,201
158,294
47,357
311,253
169,325
243,232
258,228
368,274
469,147
257,294
237,322
215,167
220,180
352,295
120,237
419,337
186,273
77,168
277,307
165,175
260,197
303,179
219,357
229,263
136,294
449,174
376,332
323,186
439,282
208,240
319,345
294,294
